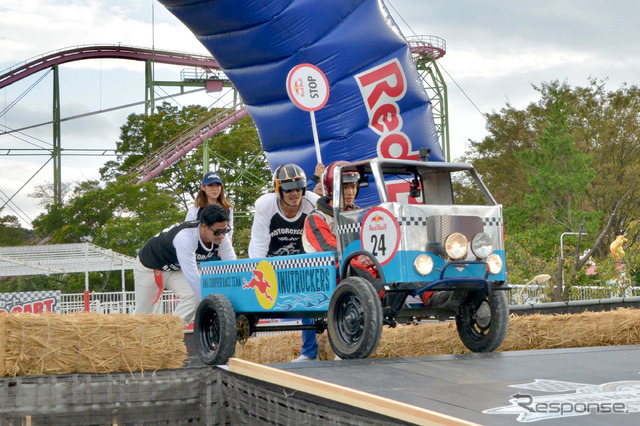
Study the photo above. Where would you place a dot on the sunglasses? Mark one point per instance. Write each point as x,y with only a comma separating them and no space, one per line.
220,231
286,191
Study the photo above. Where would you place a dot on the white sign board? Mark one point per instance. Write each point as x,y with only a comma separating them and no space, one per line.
307,87
380,234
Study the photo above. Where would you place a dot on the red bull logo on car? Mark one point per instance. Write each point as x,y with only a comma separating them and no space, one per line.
265,283
377,218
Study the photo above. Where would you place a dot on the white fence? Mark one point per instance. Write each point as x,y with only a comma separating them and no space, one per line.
113,303
538,293
124,302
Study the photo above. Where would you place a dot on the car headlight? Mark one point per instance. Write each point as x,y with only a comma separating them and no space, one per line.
423,264
482,245
456,246
494,263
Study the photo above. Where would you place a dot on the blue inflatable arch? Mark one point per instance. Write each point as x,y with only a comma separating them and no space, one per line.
377,106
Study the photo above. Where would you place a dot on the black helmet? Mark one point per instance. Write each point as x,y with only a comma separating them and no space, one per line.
288,177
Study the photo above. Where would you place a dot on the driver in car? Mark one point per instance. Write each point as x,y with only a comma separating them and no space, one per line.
319,235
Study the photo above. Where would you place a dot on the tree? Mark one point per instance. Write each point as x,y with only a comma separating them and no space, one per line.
235,153
594,189
560,174
115,215
44,192
11,233
118,214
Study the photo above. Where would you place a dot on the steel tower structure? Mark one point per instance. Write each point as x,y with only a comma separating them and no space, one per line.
205,74
426,50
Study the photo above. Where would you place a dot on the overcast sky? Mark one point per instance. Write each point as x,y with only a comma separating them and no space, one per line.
496,50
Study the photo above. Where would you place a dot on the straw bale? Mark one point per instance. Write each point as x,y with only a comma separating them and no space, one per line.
618,327
50,343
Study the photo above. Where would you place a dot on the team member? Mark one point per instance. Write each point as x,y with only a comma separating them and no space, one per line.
279,216
314,182
211,192
169,260
319,235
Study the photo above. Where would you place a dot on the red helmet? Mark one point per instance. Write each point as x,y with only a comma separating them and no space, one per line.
327,178
288,177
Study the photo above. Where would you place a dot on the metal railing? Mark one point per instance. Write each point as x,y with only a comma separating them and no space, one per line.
538,293
114,302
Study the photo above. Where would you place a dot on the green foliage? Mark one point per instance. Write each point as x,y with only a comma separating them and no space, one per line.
560,174
116,214
11,233
565,163
236,154
523,263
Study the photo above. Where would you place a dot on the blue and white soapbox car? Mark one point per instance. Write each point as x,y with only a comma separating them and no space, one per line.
428,227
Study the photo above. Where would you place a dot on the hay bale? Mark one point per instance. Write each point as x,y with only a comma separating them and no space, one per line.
50,343
618,327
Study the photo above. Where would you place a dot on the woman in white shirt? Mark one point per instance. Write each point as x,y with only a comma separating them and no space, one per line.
211,192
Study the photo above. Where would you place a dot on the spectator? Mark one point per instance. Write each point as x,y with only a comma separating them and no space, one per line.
169,260
211,192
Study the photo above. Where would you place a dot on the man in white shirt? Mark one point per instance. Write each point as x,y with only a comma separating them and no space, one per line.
169,260
279,216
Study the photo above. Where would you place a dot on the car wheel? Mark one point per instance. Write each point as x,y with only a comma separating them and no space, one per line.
354,322
482,320
215,329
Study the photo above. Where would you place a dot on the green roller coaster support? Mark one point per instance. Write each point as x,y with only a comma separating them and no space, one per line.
437,90
57,147
205,157
149,101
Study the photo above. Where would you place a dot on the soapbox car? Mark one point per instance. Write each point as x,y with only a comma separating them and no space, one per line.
426,226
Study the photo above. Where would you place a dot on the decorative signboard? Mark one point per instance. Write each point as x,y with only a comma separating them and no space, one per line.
33,301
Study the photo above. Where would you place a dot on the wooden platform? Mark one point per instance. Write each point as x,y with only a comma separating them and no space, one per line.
563,386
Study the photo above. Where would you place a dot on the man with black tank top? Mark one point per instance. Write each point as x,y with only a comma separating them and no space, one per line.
169,260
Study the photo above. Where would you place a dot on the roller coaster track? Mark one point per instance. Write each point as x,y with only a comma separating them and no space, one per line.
184,142
148,168
115,51
179,146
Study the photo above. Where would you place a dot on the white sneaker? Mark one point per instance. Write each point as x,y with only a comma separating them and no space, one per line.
337,358
303,358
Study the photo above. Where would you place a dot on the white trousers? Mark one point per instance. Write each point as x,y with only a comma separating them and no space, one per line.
146,291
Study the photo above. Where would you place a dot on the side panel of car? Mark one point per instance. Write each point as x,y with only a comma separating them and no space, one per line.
297,283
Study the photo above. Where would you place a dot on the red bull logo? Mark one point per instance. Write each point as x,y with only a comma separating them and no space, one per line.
377,218
265,284
381,88
298,86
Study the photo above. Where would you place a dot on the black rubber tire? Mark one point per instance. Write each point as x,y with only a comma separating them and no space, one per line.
483,320
215,329
354,321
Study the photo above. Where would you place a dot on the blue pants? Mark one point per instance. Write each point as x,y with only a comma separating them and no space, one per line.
309,342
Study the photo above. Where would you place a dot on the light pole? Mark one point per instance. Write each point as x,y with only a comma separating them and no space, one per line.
562,252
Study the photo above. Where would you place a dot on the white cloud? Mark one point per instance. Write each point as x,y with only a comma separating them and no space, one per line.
32,28
495,51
